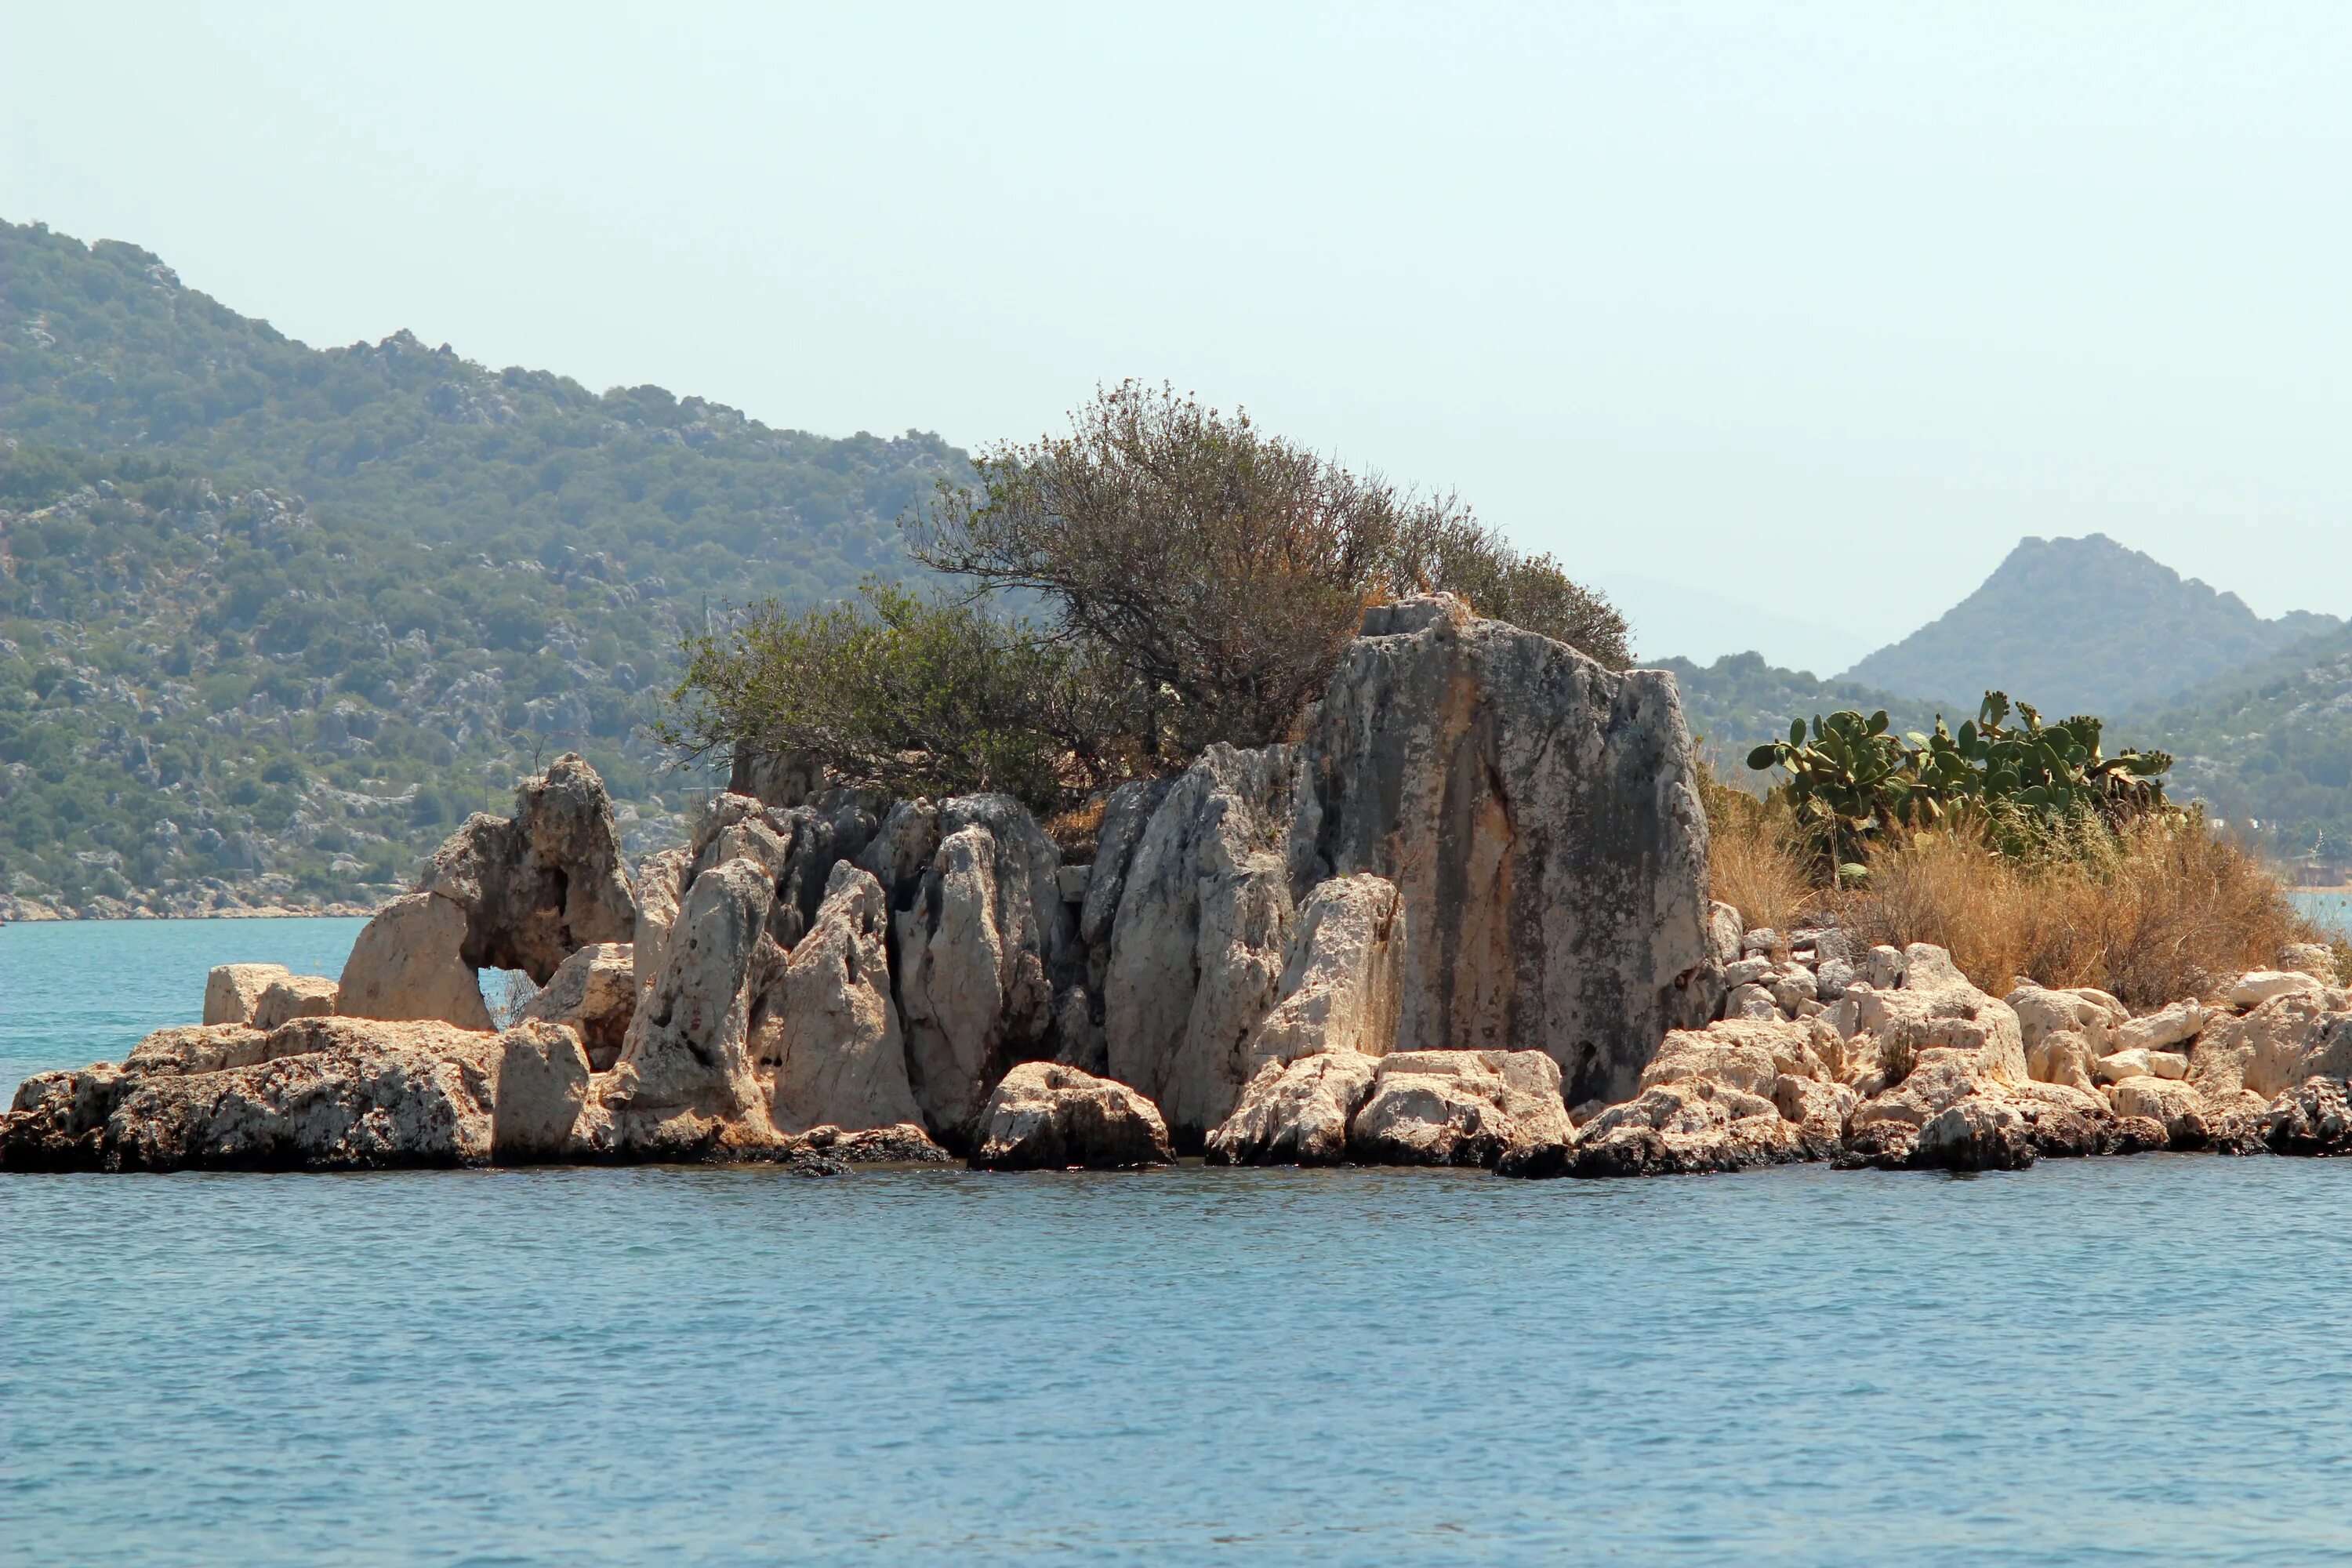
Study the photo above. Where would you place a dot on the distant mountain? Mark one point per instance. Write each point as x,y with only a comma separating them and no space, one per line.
272,617
1739,702
2083,626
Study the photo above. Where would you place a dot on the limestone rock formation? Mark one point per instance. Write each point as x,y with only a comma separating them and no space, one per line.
1046,1116
1296,1113
2273,1049
829,1028
1202,935
1689,1126
1463,1108
595,992
2311,1119
686,1082
321,1093
982,939
231,989
1540,820
660,884
541,885
1342,986
408,963
293,996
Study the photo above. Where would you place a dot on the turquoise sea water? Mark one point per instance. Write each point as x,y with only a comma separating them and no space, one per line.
2328,909
2109,1361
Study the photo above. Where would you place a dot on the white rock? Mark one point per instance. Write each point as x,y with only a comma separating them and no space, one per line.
595,992
1343,984
840,1059
1540,818
1459,1107
1203,936
231,989
1046,1116
2118,1065
408,964
2169,1026
294,996
2263,984
1296,1113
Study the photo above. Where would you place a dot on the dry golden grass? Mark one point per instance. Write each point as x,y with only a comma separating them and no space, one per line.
2159,911
1076,831
1753,861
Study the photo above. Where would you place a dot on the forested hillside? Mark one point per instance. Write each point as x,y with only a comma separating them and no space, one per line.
2083,626
1739,700
272,617
2272,745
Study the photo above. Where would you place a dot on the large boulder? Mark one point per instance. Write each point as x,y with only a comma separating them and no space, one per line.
537,887
2292,1037
1047,1116
232,990
595,992
408,963
292,997
829,1028
1540,818
1202,936
1296,1113
1342,986
1689,1126
320,1093
982,939
686,1082
1463,1108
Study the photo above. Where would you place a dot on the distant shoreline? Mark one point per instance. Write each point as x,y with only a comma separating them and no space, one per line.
330,911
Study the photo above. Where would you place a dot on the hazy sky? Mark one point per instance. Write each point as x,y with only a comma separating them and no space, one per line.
1782,323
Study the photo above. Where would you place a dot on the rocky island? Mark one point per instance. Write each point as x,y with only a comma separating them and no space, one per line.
1461,919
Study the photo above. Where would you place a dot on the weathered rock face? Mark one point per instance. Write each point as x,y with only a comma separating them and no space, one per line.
1690,1126
830,1030
980,944
293,996
1202,935
1463,1108
232,990
595,992
2311,1119
1046,1116
408,963
1539,816
661,884
686,1074
1296,1113
2272,1048
319,1093
1343,984
538,887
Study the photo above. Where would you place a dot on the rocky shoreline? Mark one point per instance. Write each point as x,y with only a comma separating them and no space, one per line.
1462,921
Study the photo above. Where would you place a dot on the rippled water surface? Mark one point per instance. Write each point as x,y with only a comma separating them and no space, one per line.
2125,1361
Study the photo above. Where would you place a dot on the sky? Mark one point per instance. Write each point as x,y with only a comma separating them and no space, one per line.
1781,324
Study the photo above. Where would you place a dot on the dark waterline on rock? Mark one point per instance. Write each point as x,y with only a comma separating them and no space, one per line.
2117,1360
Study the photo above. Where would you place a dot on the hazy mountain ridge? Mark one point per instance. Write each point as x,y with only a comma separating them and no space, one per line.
2085,625
1740,701
271,616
